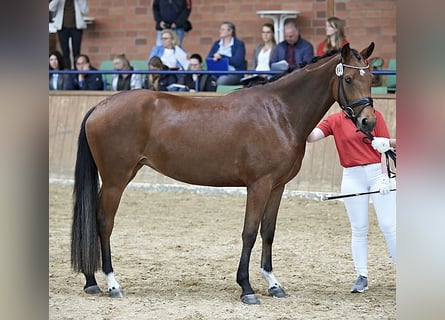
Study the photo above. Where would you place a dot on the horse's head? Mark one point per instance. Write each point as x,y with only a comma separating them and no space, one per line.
353,92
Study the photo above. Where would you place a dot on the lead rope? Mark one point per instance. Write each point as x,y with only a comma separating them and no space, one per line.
388,154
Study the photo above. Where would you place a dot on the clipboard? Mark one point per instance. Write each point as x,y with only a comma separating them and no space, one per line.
219,65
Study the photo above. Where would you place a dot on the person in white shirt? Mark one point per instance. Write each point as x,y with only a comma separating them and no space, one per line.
171,54
261,54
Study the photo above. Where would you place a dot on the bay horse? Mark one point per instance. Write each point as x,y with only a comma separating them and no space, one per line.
254,137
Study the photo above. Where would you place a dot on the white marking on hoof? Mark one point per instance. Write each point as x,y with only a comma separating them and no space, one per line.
112,284
270,278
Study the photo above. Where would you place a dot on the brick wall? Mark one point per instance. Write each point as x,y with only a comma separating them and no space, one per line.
127,26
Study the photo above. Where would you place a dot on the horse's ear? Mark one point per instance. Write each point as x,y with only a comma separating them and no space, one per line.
366,53
345,51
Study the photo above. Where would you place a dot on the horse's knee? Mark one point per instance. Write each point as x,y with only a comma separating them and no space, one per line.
249,239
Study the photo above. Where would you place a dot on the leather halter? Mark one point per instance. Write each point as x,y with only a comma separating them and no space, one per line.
348,108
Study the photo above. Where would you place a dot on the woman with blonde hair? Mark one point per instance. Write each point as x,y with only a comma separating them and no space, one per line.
122,82
335,36
171,54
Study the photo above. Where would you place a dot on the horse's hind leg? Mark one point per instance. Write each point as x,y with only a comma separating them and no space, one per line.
114,183
109,201
268,224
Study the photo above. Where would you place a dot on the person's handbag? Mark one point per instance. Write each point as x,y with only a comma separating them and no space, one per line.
187,26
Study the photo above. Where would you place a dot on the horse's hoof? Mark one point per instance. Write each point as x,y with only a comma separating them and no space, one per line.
92,290
276,292
250,299
115,293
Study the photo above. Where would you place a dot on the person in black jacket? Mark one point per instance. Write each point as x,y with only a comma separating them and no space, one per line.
171,14
198,82
158,81
85,81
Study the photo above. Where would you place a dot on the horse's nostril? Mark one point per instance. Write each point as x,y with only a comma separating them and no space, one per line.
365,122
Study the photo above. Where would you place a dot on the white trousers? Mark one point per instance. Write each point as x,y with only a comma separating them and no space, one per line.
364,179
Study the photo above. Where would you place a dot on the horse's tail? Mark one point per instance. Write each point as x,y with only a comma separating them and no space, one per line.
85,243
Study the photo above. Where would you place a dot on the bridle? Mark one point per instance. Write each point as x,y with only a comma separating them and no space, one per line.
348,108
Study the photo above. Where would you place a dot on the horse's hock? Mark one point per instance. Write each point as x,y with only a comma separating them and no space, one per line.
320,171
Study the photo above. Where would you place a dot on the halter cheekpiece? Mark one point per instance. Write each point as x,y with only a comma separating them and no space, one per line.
348,108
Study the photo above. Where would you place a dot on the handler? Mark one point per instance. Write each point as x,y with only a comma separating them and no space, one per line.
364,170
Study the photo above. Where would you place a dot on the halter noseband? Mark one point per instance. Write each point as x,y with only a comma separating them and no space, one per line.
348,108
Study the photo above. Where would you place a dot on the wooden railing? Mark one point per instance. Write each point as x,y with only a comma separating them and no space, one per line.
320,172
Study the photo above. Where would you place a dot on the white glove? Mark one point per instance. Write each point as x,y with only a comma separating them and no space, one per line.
384,184
380,144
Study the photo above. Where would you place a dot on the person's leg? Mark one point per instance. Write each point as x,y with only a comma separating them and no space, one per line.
354,181
385,208
64,36
180,33
158,38
76,41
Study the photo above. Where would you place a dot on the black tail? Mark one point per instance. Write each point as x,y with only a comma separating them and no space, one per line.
85,243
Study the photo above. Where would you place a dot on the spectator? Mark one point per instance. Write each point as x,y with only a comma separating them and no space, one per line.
171,14
364,170
229,46
86,81
121,82
294,49
171,54
69,23
335,36
198,82
59,81
158,81
262,53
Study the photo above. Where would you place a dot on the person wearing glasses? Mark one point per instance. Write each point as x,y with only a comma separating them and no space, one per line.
198,82
171,54
230,47
85,81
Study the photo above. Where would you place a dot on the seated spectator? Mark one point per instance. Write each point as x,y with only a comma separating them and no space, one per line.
335,36
59,81
230,47
85,81
121,81
293,49
262,53
171,54
158,82
198,82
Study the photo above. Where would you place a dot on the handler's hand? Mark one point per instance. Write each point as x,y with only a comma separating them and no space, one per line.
384,184
380,144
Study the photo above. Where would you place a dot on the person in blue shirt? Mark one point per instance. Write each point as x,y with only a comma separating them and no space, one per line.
293,49
229,46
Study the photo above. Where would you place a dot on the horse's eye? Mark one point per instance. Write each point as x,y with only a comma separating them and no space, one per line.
348,79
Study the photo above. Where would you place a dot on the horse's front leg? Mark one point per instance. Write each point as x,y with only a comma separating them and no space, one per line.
110,198
268,224
257,196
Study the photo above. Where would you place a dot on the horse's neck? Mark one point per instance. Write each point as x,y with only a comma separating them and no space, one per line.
308,96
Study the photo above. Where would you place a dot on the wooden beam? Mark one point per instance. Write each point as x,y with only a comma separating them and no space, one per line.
330,8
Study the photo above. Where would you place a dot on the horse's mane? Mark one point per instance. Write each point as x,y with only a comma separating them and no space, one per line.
255,81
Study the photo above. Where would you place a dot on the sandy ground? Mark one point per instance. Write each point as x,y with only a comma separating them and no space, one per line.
176,254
